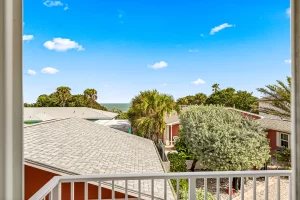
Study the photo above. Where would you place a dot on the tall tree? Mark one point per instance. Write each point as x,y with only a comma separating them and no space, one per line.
90,96
63,93
147,113
43,101
277,99
198,99
215,87
229,97
77,100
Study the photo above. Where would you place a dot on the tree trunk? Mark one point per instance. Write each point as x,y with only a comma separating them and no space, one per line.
236,183
194,164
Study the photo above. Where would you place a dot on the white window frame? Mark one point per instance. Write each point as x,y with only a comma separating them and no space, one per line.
278,139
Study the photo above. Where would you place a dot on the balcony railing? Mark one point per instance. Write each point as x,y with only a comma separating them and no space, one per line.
52,190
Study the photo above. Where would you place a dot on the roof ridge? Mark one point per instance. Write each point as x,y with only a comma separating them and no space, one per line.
48,121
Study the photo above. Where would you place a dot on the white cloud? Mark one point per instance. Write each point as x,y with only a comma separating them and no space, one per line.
159,65
288,61
202,35
66,7
121,14
31,72
219,28
62,44
51,3
288,12
27,37
193,50
49,70
198,82
165,84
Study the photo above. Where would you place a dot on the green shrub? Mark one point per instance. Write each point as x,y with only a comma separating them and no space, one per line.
283,156
182,149
177,163
199,195
183,183
224,140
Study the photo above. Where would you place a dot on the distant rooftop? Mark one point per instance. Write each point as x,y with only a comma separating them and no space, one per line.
50,113
276,124
76,146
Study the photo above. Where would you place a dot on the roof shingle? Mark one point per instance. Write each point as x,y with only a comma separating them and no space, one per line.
83,147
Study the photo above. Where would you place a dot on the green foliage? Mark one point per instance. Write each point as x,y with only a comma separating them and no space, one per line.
76,100
183,190
63,93
177,163
279,97
199,195
90,96
182,149
183,184
63,98
223,140
122,115
147,113
229,97
198,99
283,155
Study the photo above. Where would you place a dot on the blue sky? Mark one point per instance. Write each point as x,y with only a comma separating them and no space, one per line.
177,47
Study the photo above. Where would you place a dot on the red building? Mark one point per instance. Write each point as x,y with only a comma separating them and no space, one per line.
278,131
75,146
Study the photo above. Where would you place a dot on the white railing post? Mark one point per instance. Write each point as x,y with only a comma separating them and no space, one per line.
192,188
56,192
54,185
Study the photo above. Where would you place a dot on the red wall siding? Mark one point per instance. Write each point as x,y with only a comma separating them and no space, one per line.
36,178
175,130
272,139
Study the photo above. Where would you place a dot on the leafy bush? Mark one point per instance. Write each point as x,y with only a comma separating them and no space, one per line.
182,149
224,140
183,191
177,163
199,195
183,183
283,156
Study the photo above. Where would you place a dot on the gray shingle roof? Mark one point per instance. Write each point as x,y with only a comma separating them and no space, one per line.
264,104
275,124
48,113
83,147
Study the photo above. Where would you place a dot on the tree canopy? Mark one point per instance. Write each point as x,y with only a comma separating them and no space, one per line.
277,98
147,113
223,140
62,97
227,97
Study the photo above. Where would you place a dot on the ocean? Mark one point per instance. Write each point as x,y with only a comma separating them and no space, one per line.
121,106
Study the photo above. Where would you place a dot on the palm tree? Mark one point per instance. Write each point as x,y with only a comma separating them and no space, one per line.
215,87
90,95
148,111
63,94
277,99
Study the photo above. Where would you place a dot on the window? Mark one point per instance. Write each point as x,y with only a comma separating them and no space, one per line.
283,140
